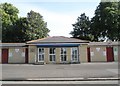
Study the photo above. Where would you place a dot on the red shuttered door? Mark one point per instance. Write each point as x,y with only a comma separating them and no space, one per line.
4,56
26,55
110,55
88,54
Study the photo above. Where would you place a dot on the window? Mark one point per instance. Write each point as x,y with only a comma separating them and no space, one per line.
75,54
52,54
40,54
63,54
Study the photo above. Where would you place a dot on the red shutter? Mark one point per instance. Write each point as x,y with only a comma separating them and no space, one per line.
88,54
4,56
110,55
26,55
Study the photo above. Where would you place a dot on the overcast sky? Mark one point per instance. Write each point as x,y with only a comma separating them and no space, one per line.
59,14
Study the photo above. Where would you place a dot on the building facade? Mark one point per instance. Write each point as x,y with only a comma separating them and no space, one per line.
13,53
59,50
103,51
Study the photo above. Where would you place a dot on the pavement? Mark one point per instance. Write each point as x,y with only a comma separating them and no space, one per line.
61,72
97,83
60,85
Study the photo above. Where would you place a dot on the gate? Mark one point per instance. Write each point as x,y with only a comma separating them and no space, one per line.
88,54
4,56
26,55
110,55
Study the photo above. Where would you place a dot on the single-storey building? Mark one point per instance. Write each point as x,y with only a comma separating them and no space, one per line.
103,51
13,53
57,49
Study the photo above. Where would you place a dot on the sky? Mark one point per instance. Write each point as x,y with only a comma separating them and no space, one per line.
59,14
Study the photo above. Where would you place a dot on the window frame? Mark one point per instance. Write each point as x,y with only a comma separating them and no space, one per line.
63,54
73,55
53,54
41,54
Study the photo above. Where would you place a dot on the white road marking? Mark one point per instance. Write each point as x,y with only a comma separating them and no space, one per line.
56,79
60,82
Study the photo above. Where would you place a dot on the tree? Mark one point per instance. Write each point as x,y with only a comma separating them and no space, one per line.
19,30
37,28
9,15
81,28
29,28
105,22
118,21
22,29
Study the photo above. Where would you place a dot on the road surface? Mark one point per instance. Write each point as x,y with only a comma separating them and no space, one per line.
83,70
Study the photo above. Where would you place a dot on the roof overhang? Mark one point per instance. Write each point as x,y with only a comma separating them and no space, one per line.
57,45
12,44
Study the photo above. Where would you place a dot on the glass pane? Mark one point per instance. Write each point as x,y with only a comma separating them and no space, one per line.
75,52
64,50
61,50
72,57
39,50
65,58
50,57
53,50
75,56
50,51
61,57
42,57
53,57
42,50
39,57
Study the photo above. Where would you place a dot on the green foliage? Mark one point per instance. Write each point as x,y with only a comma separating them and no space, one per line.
118,29
9,15
22,29
19,30
37,28
105,22
81,28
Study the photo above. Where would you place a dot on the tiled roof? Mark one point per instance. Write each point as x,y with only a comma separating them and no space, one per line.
103,43
58,39
12,44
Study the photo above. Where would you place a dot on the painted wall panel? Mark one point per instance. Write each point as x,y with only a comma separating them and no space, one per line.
98,53
83,53
119,53
58,55
115,50
68,55
46,59
0,55
32,54
16,55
